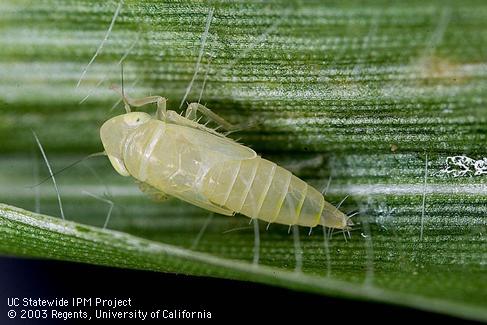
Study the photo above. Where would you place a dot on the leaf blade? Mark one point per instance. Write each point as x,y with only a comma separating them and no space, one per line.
112,248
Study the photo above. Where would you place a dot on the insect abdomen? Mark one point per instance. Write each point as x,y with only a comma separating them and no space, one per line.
260,189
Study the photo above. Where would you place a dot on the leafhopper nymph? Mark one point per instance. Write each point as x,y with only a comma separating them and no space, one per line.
174,155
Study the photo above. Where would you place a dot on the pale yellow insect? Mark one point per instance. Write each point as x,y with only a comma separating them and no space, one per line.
172,155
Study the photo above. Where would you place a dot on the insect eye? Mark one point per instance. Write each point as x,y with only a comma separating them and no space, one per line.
135,119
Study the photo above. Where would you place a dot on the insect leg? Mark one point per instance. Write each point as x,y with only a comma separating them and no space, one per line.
193,108
159,100
202,231
109,202
160,103
326,243
327,251
154,193
255,260
298,253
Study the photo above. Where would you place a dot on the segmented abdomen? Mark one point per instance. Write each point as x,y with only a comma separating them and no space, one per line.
258,188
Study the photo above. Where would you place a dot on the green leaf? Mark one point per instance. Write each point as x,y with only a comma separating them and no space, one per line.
371,98
30,234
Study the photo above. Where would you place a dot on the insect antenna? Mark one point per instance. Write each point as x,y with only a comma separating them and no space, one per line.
121,73
121,91
125,101
96,154
136,81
